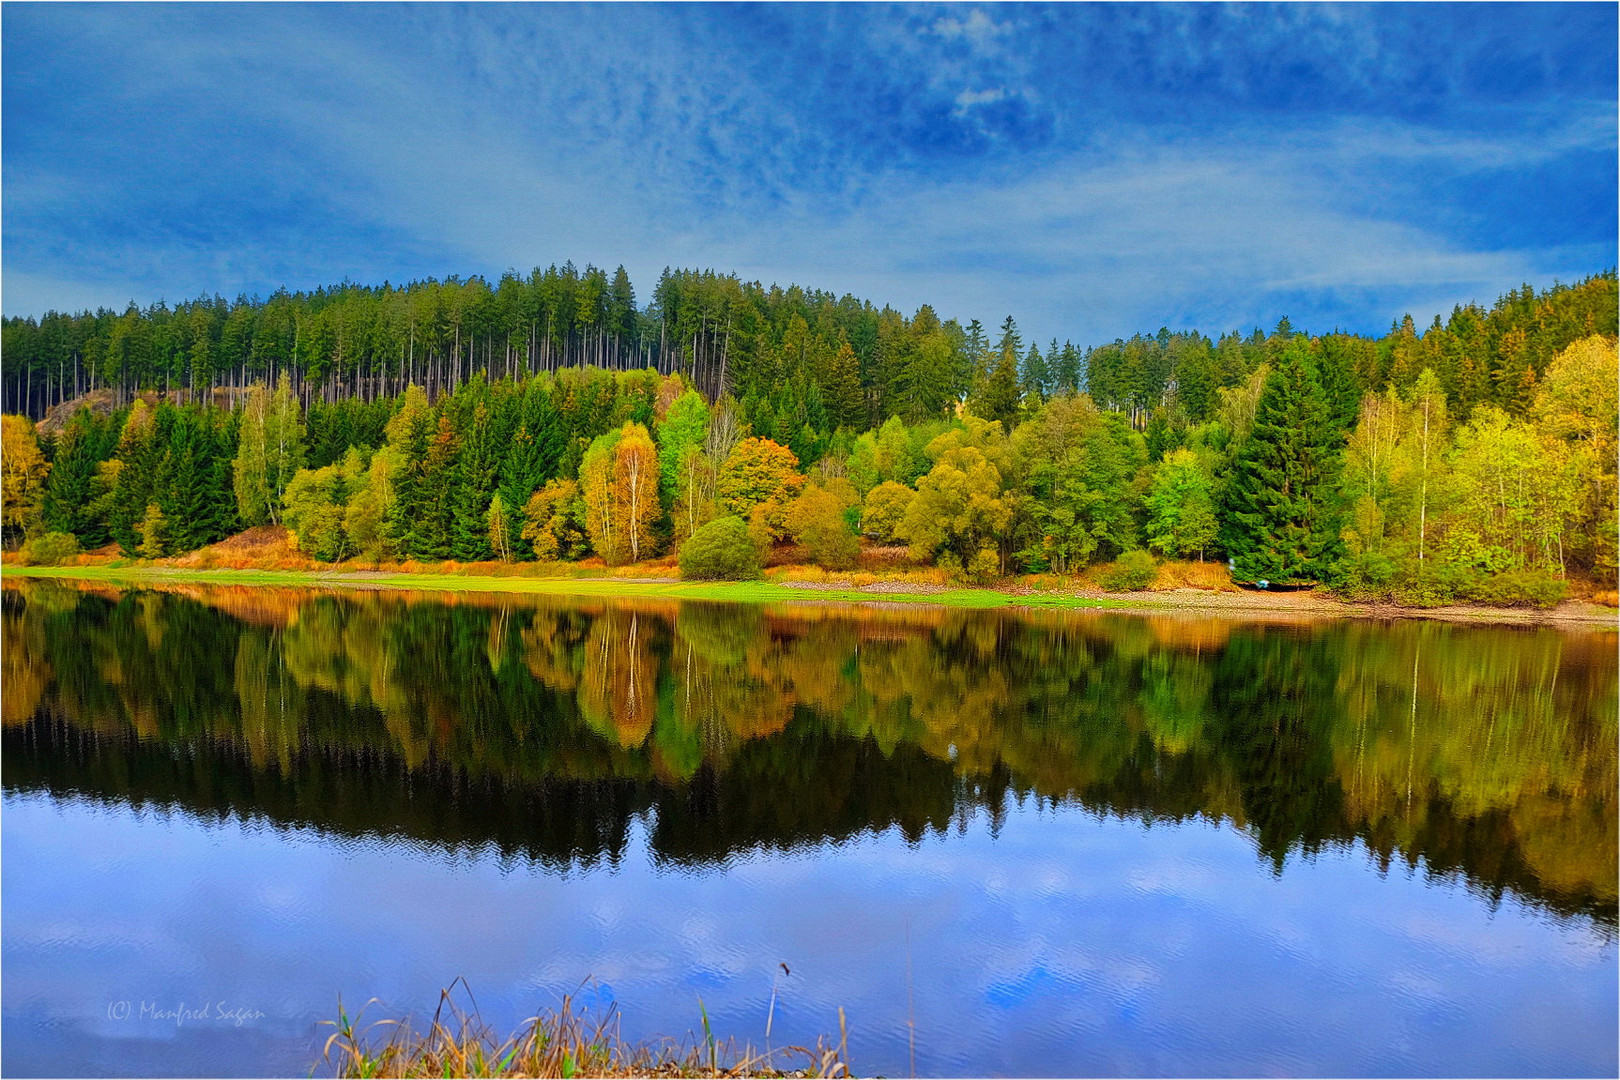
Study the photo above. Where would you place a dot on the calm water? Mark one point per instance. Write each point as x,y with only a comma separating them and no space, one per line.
1057,844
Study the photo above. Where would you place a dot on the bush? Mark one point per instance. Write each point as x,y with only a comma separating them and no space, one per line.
885,510
49,550
723,550
1365,576
1517,588
1133,571
819,524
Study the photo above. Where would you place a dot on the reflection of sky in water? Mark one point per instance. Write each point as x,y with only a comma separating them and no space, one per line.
1065,945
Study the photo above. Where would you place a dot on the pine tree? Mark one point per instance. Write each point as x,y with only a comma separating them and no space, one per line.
153,533
1281,520
846,401
1341,389
999,398
472,481
1036,377
183,485
431,536
408,435
521,475
85,443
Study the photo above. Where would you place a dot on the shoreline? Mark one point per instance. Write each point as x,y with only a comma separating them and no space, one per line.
1192,601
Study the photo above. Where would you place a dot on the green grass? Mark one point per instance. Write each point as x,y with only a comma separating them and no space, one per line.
746,592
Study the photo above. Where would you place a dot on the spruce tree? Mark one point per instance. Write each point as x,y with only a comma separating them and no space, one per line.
1036,377
846,401
521,475
1281,521
1000,397
182,488
432,535
408,434
472,481
1341,388
86,442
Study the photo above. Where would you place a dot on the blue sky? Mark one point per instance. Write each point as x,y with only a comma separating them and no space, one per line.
1092,170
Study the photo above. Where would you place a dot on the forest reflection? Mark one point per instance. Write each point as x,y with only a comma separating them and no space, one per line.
545,725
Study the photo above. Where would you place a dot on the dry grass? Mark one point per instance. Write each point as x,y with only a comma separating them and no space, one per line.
1194,575
880,557
810,573
563,1044
263,547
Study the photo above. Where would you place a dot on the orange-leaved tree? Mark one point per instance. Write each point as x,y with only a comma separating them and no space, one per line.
760,473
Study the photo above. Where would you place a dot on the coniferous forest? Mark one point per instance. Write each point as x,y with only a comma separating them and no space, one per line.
553,418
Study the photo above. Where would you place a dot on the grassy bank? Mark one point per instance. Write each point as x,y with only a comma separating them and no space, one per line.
747,592
562,1044
792,588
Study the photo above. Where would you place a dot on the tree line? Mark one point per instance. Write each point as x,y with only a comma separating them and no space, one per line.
787,352
1374,465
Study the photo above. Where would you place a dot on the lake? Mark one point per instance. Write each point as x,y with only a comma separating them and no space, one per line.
1004,843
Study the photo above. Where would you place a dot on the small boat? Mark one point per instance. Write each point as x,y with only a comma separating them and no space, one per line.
1276,586
1264,585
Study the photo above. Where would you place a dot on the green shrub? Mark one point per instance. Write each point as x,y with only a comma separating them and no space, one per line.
1429,585
50,549
1365,576
1517,588
1133,570
984,567
722,549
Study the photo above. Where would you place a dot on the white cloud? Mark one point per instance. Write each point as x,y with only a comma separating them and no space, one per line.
969,99
503,143
977,29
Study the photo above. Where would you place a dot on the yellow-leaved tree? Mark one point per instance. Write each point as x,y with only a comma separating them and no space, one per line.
1576,404
618,480
635,489
23,469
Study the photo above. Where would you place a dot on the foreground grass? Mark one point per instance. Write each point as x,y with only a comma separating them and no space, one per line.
748,592
558,1044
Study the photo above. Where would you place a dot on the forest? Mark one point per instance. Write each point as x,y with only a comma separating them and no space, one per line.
551,418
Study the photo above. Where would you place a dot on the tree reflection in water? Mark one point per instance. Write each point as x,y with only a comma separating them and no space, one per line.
544,725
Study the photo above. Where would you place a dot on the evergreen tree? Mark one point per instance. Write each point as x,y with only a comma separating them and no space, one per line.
999,398
85,443
473,481
1281,522
846,401
521,475
408,435
1341,389
184,485
1036,377
433,534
